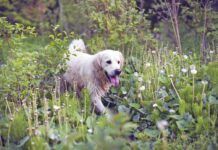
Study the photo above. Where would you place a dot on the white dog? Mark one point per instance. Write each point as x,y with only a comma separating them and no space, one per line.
95,72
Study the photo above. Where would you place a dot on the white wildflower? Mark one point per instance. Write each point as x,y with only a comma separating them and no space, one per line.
11,118
171,76
204,82
124,92
155,105
90,131
136,74
163,87
162,71
140,79
162,125
142,88
184,70
185,56
139,95
153,52
148,64
56,108
211,52
172,111
194,71
174,53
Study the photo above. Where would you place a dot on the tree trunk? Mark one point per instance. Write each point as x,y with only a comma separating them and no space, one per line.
63,23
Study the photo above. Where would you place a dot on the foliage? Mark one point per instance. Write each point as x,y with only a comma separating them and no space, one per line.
120,24
166,100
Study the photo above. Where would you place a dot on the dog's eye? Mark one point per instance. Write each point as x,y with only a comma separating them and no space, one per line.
108,62
118,62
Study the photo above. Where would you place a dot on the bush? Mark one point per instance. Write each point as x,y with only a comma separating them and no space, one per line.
164,98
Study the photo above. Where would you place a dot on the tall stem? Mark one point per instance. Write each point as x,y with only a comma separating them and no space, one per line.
203,41
193,86
175,89
173,12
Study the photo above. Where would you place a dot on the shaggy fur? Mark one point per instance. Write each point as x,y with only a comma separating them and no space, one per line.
95,72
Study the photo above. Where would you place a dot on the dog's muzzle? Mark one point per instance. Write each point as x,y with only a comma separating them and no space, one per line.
117,72
114,79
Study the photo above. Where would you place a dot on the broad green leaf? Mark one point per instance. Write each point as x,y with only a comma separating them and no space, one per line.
182,125
123,109
177,117
152,133
213,100
23,141
135,105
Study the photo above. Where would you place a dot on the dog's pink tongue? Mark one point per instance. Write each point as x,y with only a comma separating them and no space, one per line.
115,81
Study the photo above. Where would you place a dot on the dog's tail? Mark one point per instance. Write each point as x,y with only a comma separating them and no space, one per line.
77,45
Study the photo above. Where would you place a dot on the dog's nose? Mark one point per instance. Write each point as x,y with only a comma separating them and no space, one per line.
117,72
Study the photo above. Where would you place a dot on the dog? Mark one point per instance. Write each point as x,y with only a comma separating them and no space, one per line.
96,72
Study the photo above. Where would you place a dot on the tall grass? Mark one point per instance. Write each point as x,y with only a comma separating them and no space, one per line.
166,99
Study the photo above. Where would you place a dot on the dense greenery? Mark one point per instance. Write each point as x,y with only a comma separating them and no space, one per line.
168,98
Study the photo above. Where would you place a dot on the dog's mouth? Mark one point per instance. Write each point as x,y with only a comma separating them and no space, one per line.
113,79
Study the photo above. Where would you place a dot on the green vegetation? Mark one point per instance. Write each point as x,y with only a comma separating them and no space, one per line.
168,98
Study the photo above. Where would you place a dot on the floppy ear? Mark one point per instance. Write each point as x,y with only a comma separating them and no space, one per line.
97,62
121,59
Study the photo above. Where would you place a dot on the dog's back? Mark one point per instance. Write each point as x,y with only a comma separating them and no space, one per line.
76,48
78,53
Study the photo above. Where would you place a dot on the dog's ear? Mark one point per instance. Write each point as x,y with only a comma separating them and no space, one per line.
97,62
121,59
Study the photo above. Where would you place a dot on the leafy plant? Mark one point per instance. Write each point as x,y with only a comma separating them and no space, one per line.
166,100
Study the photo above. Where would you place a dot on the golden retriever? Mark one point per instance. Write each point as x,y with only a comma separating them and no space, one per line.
96,72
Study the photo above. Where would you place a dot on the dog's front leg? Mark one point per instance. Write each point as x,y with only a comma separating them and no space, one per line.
97,104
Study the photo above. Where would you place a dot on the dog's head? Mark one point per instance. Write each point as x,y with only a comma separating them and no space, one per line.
110,62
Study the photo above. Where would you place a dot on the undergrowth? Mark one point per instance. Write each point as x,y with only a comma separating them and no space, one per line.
166,100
